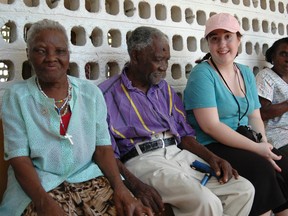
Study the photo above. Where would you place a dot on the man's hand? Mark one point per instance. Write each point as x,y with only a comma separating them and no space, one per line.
128,205
222,168
147,194
149,197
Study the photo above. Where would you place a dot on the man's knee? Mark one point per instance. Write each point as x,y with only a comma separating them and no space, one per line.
203,203
244,188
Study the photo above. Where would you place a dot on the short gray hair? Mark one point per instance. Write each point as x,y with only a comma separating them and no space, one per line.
44,25
142,37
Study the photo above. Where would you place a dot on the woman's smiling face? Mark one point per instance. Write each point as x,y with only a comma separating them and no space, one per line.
223,45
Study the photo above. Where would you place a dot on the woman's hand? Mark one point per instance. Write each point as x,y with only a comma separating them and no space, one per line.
127,205
28,178
48,207
265,150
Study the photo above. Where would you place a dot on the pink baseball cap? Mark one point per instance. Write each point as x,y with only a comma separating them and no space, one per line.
222,21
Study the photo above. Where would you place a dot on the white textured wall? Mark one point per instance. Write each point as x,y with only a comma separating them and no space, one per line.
183,21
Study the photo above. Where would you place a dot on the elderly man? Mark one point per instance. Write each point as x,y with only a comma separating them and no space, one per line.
155,146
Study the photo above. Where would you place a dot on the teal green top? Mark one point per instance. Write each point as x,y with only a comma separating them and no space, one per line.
205,88
32,128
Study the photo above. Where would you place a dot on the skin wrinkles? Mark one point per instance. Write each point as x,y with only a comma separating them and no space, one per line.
152,63
49,56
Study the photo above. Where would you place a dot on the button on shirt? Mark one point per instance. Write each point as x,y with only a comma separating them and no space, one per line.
134,116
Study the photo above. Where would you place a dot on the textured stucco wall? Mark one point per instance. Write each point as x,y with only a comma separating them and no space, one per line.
183,21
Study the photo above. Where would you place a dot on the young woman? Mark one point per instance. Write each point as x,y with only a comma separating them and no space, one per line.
221,96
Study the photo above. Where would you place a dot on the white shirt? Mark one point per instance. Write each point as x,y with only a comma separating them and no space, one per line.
273,88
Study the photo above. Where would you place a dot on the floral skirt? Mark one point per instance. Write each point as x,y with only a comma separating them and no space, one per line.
93,197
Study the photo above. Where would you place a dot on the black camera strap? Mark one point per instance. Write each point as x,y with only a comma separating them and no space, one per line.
240,117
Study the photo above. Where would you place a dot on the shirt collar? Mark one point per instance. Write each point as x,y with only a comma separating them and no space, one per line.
128,84
39,97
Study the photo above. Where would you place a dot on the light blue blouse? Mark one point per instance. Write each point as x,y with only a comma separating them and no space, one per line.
205,88
32,128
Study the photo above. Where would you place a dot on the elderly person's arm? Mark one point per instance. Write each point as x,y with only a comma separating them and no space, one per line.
28,179
269,110
146,193
126,204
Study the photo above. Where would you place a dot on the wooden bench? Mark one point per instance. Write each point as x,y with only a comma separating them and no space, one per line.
3,164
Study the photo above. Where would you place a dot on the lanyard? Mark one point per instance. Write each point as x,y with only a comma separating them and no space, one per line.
239,117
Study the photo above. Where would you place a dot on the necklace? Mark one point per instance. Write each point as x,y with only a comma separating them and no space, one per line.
239,110
60,101
59,109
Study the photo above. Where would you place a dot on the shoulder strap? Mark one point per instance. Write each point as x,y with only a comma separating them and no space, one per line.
239,117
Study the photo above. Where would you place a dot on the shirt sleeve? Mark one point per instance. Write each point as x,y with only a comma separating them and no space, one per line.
200,88
15,135
252,87
183,128
103,135
113,142
265,85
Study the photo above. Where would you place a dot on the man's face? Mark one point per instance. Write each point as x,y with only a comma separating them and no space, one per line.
153,61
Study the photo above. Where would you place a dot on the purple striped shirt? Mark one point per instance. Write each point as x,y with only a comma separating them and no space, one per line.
134,116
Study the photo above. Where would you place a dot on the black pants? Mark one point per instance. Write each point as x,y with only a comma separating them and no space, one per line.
271,187
284,150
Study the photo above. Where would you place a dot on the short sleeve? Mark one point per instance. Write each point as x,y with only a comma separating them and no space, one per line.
265,85
103,135
15,135
200,88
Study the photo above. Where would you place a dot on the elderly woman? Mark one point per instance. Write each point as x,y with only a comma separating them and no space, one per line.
272,84
57,139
